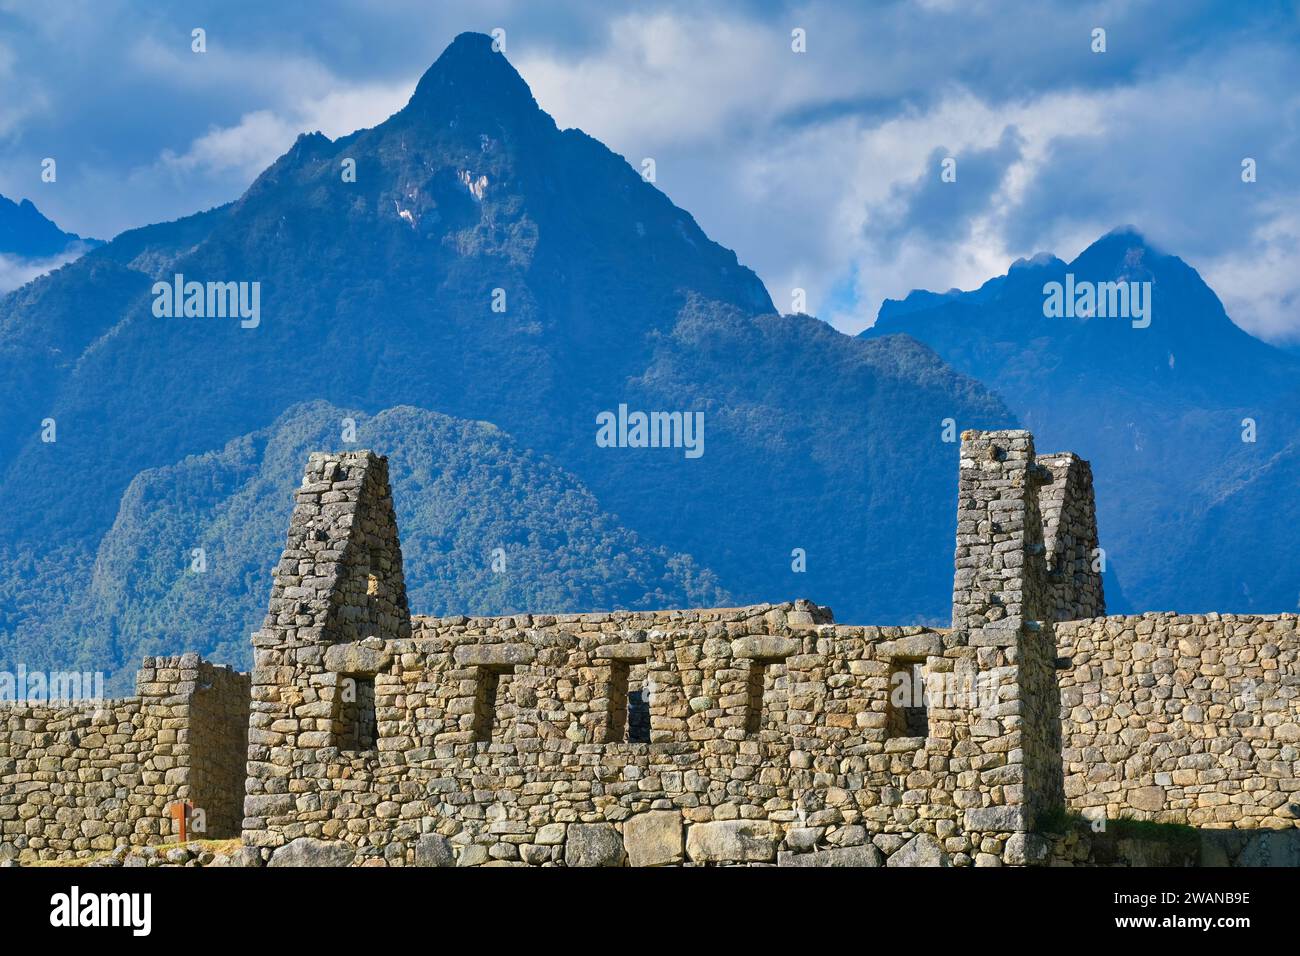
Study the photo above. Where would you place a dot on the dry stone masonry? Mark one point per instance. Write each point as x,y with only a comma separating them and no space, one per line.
1033,730
76,779
1187,719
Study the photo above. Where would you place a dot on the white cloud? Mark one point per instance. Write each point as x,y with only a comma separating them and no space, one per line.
799,201
289,86
262,136
21,99
227,67
793,161
897,152
667,79
245,148
16,271
1258,283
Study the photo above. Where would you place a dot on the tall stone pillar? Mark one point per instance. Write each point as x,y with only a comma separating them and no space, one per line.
1001,599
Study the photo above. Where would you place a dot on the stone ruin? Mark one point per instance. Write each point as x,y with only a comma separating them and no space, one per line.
1033,730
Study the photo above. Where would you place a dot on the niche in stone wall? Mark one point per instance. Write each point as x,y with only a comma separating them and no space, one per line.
756,686
355,724
628,720
487,696
908,713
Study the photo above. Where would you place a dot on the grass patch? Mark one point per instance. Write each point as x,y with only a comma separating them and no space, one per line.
1177,834
1062,821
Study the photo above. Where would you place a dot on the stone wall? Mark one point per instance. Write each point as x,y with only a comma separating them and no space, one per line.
771,730
768,734
758,735
1190,719
78,779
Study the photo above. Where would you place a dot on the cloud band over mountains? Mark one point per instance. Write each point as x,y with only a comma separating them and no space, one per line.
818,168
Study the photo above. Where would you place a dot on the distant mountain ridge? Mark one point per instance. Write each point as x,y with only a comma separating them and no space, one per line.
1160,411
486,526
31,244
487,266
25,232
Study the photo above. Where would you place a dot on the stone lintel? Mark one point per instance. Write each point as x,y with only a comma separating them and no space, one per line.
362,657
493,655
765,648
915,646
624,652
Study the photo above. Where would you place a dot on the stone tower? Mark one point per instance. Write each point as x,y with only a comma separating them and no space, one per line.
337,598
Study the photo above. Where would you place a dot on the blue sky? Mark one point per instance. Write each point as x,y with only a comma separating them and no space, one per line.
820,169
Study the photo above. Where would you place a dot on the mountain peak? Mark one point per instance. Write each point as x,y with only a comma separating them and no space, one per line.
470,74
1124,251
25,232
1123,238
1037,261
1127,230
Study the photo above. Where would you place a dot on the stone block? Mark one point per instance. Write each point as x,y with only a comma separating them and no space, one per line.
308,851
1025,849
922,850
653,838
764,648
433,849
1150,799
916,646
624,652
551,834
363,657
593,844
848,856
494,655
995,819
732,841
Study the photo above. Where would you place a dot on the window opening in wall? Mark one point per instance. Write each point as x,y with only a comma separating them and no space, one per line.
629,704
638,714
485,701
357,726
756,683
908,713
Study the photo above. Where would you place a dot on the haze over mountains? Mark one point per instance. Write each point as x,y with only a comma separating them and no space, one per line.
378,294
31,244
